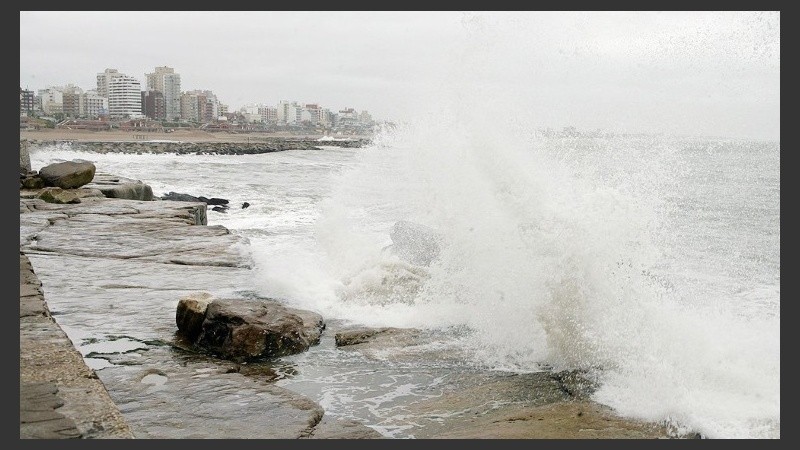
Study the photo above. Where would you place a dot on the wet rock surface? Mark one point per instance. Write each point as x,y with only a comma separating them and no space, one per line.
376,337
113,271
113,186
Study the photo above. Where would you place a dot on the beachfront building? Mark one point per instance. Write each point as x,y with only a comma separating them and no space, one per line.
326,118
26,101
165,80
153,105
347,117
310,114
71,104
52,100
189,108
259,113
124,97
199,106
269,114
209,108
288,113
71,100
92,105
104,81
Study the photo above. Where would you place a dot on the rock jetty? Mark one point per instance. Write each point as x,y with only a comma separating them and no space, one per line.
265,145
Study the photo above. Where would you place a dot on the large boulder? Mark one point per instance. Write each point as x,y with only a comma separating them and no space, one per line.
415,243
120,187
68,174
242,329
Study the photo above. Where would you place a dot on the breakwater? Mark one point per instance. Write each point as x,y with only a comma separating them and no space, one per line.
262,145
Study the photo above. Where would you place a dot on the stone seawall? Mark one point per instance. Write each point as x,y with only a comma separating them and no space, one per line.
264,145
60,397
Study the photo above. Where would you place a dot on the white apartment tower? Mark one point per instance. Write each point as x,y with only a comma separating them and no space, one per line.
288,113
124,97
165,80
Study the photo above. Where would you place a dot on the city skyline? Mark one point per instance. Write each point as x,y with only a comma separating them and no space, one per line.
151,85
692,73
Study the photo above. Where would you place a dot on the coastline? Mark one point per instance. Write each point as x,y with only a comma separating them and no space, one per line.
130,259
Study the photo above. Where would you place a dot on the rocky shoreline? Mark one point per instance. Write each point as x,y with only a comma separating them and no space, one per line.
256,146
113,271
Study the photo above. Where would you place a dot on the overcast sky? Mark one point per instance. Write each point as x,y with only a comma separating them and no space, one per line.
692,73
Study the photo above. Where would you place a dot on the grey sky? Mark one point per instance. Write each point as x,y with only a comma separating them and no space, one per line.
709,73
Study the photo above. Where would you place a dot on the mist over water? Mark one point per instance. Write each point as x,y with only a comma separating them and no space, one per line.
562,263
620,255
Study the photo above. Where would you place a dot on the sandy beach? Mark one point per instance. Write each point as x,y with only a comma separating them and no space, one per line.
198,136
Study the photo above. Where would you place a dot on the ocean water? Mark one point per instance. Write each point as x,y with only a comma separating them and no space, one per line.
651,261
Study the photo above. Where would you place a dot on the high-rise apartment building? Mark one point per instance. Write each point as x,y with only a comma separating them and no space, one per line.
310,114
71,100
189,107
26,101
199,106
289,113
165,80
153,105
104,81
124,97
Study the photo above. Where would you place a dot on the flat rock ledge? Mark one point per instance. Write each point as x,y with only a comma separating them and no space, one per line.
97,259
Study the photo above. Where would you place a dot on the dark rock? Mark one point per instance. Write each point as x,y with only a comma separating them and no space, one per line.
68,174
245,205
243,329
32,181
180,197
222,209
213,200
